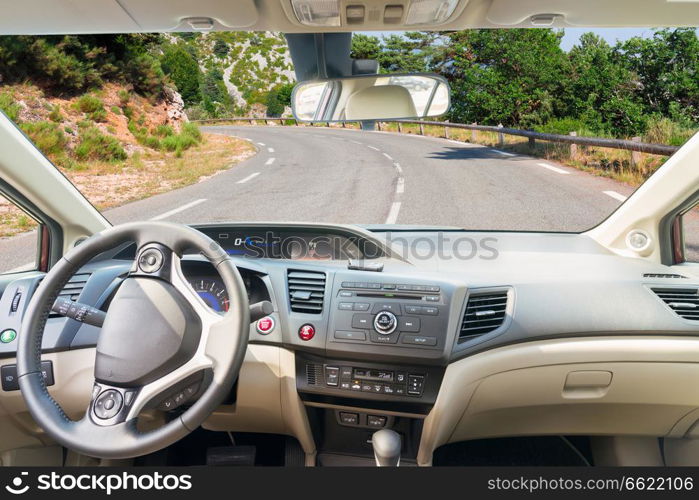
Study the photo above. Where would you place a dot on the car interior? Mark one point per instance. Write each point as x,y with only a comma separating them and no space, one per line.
319,344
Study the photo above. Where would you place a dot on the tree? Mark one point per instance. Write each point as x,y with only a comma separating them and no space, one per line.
667,68
365,47
179,64
511,76
274,106
284,93
221,49
216,100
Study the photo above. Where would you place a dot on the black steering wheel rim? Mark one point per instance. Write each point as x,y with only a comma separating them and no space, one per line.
227,338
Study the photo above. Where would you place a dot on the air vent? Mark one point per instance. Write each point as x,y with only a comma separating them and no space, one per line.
313,374
485,312
306,291
663,275
684,301
74,287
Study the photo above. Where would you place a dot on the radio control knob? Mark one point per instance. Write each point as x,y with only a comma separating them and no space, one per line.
385,323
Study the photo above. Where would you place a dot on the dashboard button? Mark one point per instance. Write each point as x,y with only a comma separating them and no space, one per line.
265,325
375,421
419,340
394,308
432,298
433,288
349,418
409,324
307,332
362,321
415,384
345,372
345,306
332,375
388,286
431,311
374,286
345,293
385,322
412,309
367,387
349,284
347,335
403,287
400,377
361,306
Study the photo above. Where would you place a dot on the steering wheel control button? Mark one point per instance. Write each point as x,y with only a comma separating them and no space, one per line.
129,397
9,378
385,322
108,404
307,332
151,260
265,325
8,336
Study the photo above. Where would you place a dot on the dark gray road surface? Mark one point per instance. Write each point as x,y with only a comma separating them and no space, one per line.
347,176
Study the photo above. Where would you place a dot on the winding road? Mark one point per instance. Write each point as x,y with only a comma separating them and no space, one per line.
351,176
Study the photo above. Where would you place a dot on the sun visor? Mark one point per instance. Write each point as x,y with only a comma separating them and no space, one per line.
167,15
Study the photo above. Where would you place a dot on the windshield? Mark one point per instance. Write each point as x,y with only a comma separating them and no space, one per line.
198,128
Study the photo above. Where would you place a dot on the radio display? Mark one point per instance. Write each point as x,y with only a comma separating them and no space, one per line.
367,374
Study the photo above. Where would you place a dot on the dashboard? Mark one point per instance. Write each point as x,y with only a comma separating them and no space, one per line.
371,324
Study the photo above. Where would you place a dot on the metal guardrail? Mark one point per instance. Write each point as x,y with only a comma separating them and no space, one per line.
630,145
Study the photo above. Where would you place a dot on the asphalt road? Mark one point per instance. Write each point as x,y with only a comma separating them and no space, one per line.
349,176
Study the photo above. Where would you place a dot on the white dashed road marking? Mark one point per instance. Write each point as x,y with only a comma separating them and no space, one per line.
270,161
372,147
398,167
615,195
388,156
393,213
504,153
271,150
400,186
249,177
178,209
553,169
260,143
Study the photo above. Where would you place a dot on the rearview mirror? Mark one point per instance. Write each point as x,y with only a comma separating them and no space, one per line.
371,97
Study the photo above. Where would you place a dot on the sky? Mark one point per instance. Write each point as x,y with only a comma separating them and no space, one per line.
611,35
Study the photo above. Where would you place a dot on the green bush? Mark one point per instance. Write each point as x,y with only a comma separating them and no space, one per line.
663,130
179,142
164,131
564,126
9,106
98,116
192,130
47,136
96,146
55,115
152,142
89,103
124,97
116,110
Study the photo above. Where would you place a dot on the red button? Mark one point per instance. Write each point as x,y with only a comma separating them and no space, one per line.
307,331
265,325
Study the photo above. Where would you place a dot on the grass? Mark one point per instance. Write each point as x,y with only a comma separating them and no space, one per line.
606,162
9,106
96,146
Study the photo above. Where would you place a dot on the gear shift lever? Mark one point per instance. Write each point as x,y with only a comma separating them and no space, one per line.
387,446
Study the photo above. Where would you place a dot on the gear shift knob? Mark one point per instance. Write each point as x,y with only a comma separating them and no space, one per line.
387,446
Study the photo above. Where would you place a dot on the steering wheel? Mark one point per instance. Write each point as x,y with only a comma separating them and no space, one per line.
159,342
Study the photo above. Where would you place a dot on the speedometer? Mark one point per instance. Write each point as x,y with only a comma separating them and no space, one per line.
212,292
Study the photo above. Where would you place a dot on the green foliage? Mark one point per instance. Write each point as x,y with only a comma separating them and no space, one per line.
47,136
96,146
191,130
216,100
124,97
9,106
274,106
522,78
221,49
55,115
164,131
72,64
116,110
180,65
284,93
89,103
